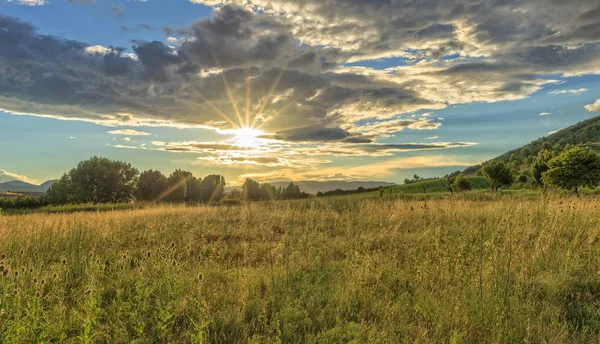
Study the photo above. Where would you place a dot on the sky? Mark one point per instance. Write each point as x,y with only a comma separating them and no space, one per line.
289,90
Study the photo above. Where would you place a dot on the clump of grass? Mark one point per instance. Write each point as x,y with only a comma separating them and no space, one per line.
459,269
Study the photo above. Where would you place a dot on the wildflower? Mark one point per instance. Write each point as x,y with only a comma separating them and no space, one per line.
6,272
64,261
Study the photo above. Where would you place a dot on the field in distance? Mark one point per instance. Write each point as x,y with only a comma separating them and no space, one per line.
331,270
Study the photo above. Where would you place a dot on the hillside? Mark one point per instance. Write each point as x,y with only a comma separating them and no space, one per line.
20,186
585,133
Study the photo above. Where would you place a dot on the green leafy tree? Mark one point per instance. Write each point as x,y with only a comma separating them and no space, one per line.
573,169
546,146
194,192
461,183
177,186
213,188
522,179
151,185
497,173
540,165
292,191
60,192
96,180
251,190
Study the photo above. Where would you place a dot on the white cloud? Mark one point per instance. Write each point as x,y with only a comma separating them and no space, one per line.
29,2
71,137
573,92
593,107
128,132
433,137
545,114
6,176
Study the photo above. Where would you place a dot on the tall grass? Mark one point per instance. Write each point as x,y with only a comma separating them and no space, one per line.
380,270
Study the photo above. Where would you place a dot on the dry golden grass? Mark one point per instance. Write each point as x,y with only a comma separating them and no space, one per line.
327,271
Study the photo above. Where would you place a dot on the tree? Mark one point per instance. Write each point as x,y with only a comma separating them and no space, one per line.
540,165
522,179
251,190
212,188
235,194
151,185
497,173
525,152
292,191
194,191
177,186
460,183
573,169
60,192
416,177
96,180
546,146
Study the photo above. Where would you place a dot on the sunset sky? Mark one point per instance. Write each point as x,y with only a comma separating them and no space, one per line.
289,90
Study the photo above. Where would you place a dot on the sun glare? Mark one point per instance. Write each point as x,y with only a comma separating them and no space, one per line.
248,137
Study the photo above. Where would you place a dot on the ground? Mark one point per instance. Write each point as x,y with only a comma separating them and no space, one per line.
334,270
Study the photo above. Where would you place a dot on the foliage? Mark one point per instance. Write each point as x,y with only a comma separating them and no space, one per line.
253,191
540,165
497,173
327,270
151,186
460,183
97,180
573,169
522,179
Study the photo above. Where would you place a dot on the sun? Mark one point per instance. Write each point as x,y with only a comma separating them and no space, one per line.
248,137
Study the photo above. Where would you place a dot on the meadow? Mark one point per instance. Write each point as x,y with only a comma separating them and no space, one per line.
332,270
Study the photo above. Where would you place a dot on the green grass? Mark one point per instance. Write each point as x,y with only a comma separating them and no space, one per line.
74,208
337,270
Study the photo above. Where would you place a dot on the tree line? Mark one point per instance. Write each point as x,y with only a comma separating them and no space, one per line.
100,180
570,169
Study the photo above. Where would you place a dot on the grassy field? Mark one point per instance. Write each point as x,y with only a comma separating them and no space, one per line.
332,270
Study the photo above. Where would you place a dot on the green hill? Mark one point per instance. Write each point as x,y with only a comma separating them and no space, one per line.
586,133
434,186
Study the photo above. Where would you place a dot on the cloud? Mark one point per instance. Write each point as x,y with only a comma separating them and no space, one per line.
6,176
593,107
545,114
128,132
365,171
573,92
28,2
284,66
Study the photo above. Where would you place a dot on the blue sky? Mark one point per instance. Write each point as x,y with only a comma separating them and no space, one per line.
380,101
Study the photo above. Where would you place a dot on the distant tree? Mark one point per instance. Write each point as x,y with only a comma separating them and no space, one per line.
177,186
406,181
525,152
360,189
573,169
292,191
151,185
546,146
60,192
251,190
460,183
416,177
497,173
96,180
235,194
522,179
213,188
194,192
540,165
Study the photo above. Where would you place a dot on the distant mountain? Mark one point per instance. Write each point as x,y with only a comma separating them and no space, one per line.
312,187
586,133
20,186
